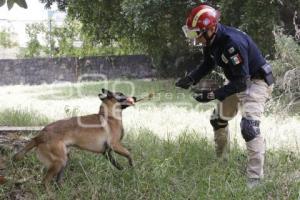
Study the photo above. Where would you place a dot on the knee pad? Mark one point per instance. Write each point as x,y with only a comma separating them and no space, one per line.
250,129
218,123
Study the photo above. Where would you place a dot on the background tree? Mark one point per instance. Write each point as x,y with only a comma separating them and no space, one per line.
150,27
257,18
34,47
153,27
66,40
287,11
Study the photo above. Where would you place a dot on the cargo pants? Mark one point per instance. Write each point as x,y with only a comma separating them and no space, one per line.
251,103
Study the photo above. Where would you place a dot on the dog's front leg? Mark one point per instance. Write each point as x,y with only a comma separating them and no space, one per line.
119,149
113,161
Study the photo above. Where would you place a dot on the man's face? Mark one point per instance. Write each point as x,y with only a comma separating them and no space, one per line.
201,39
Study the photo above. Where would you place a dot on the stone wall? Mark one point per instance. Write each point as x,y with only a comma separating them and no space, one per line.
50,70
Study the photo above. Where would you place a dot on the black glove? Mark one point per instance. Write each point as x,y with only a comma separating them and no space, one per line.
204,96
184,82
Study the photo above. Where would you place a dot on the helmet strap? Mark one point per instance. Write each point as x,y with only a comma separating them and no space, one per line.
207,38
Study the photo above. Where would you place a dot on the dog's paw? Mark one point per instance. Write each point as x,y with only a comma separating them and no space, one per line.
131,163
119,167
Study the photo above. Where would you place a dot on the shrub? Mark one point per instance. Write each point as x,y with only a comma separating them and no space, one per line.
286,67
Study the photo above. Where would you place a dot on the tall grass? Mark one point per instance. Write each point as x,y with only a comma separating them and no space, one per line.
184,168
21,117
170,112
171,144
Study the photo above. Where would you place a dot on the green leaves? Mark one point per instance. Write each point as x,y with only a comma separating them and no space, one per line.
2,2
10,3
6,40
257,18
153,27
21,3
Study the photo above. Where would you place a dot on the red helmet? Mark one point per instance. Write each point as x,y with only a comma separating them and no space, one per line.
199,20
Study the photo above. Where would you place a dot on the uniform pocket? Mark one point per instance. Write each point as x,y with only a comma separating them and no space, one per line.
260,90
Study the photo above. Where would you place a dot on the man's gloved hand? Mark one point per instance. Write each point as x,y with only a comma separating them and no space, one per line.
184,82
204,96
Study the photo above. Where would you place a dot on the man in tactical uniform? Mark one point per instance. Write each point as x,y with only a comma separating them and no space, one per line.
250,83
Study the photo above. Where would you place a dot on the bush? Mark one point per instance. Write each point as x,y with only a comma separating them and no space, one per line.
286,67
287,55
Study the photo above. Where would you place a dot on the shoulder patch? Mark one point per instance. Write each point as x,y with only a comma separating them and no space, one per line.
224,59
236,59
231,50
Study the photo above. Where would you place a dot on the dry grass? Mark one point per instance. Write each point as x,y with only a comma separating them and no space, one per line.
171,140
167,116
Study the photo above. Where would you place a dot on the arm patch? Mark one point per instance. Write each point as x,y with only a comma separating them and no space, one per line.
224,59
232,55
236,59
231,50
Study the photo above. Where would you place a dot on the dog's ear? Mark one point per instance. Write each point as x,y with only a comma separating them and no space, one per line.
104,91
107,93
102,96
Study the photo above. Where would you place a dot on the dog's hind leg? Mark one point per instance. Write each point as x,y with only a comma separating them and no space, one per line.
55,168
60,175
54,156
119,149
113,161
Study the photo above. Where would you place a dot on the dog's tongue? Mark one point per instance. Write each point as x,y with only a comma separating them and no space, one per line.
130,100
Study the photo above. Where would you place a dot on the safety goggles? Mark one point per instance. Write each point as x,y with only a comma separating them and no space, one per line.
192,33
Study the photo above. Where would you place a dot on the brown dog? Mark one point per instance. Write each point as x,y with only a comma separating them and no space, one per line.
99,133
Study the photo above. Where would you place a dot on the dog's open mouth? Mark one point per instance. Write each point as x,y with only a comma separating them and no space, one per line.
123,100
131,100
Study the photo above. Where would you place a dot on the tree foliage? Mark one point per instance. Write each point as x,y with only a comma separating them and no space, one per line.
6,40
257,18
154,26
65,40
10,3
289,9
34,47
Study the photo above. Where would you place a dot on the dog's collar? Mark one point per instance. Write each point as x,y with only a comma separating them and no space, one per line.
105,115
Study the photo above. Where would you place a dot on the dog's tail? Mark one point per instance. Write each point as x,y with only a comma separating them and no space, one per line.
32,143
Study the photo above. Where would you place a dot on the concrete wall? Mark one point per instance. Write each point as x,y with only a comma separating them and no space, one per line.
49,70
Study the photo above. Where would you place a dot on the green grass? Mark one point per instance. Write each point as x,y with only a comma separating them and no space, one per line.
185,168
17,117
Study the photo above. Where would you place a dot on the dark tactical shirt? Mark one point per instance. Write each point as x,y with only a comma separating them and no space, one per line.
236,53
